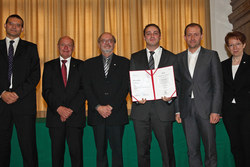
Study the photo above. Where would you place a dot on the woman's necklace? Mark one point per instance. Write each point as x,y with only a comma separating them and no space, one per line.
236,60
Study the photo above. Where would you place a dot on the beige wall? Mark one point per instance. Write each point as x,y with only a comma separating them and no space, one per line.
220,25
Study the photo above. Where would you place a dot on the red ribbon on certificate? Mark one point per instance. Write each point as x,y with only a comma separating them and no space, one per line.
154,95
152,79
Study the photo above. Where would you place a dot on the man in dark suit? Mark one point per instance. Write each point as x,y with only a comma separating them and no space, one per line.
63,92
199,96
155,115
107,86
19,75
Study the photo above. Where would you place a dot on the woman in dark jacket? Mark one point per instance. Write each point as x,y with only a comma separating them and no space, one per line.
236,99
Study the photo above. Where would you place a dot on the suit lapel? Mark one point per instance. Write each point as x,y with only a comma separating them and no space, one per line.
112,66
199,63
72,70
244,64
229,72
3,49
164,59
145,59
100,67
241,69
19,48
185,62
58,72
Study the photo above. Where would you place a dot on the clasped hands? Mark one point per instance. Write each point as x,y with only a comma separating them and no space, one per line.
143,100
9,97
104,111
64,113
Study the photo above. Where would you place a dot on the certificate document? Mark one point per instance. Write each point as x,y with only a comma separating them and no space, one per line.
152,84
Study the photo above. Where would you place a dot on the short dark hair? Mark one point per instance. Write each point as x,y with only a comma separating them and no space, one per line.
235,35
154,25
193,25
14,16
99,38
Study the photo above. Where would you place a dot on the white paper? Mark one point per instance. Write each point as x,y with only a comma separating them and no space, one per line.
152,84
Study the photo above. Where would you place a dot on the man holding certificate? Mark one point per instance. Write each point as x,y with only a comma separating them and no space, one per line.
155,113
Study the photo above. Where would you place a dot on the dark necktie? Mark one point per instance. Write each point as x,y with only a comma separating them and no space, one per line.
106,66
151,62
10,56
64,72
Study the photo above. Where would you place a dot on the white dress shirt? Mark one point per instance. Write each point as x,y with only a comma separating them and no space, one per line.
156,56
234,70
192,59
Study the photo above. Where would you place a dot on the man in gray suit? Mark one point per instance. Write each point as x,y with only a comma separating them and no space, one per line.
157,115
199,96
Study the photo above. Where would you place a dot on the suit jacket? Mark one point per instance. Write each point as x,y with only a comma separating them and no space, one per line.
165,110
56,94
26,75
239,87
206,84
112,90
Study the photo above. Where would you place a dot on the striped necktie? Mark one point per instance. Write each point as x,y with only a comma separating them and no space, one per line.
106,66
10,56
151,62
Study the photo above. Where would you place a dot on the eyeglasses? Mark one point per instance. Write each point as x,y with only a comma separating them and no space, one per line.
103,41
233,45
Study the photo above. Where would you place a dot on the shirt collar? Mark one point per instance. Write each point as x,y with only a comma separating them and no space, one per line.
16,40
156,50
196,52
68,59
110,56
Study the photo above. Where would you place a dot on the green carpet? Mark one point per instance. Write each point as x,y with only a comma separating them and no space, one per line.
225,158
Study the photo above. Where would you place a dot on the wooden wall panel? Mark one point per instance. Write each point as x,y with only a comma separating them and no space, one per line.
240,18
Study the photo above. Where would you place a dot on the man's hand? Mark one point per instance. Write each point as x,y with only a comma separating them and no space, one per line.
64,113
178,117
62,119
214,118
105,111
167,99
9,97
142,101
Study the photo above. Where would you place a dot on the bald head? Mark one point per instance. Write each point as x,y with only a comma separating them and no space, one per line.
65,46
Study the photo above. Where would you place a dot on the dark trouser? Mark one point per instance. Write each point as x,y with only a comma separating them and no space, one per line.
113,134
73,135
26,133
238,129
164,136
195,127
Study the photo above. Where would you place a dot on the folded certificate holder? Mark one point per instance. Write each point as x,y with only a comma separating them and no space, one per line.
152,84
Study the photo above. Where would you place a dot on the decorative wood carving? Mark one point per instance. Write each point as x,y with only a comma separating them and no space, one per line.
240,18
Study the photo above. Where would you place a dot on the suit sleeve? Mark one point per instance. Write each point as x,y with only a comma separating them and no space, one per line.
217,81
177,83
132,64
33,78
53,101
